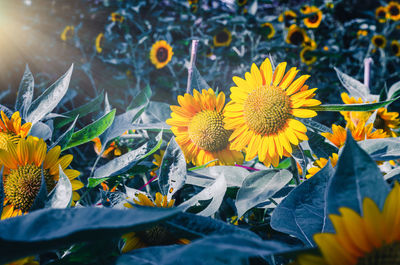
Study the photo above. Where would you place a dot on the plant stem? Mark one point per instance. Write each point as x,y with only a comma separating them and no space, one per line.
195,43
367,70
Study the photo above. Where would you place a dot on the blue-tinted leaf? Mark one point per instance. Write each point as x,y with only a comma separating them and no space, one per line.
383,149
319,146
41,130
41,197
25,93
61,196
64,138
198,81
234,176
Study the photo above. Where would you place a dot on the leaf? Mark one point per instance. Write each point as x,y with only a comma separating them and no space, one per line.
258,187
304,211
356,177
319,146
60,197
41,130
41,197
142,98
50,229
64,138
172,171
198,81
383,149
354,87
392,173
49,99
253,7
234,176
394,91
25,93
91,131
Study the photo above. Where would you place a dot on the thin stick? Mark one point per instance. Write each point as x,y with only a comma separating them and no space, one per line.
195,43
367,70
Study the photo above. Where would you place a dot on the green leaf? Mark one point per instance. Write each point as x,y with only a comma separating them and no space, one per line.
284,164
91,131
383,149
93,182
25,93
258,187
49,99
51,229
234,176
61,196
64,139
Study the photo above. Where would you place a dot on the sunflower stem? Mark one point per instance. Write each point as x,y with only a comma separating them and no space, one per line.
193,53
367,70
293,166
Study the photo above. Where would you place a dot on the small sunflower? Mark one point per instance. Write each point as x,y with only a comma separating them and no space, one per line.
306,57
393,10
288,18
373,238
157,162
67,33
320,163
117,17
325,48
296,35
379,41
99,40
22,173
161,54
315,17
268,30
223,38
395,48
12,129
329,5
264,110
199,129
381,14
241,2
361,33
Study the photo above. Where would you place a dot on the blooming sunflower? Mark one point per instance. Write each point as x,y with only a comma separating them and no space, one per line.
157,162
320,163
199,129
99,39
296,35
22,173
67,33
263,112
157,235
373,238
288,18
161,54
116,17
223,38
314,18
12,129
395,48
268,30
381,14
306,57
379,41
393,9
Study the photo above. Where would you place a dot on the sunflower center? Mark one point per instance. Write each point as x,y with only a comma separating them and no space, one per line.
162,54
222,37
22,185
296,38
207,131
379,123
266,110
386,255
313,19
395,48
6,137
394,11
381,14
155,236
288,20
379,42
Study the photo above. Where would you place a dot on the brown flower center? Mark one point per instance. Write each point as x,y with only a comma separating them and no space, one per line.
296,38
222,37
162,54
313,19
156,235
394,10
385,255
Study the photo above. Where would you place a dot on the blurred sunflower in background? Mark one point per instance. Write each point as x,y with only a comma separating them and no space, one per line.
67,33
223,38
373,238
11,130
288,18
314,18
320,163
99,40
381,14
361,33
306,57
268,30
161,54
296,35
117,17
199,129
23,173
379,41
395,48
393,10
263,112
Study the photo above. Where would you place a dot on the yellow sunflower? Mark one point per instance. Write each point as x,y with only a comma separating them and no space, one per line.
223,38
161,54
296,35
24,261
157,162
315,17
329,5
320,163
361,33
12,129
306,57
199,129
395,48
99,39
393,10
381,14
379,41
354,116
268,30
22,173
373,238
157,235
111,151
288,18
263,112
67,33
116,17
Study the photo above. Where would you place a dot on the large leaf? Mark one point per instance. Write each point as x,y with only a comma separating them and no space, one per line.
25,93
319,146
141,99
383,149
61,195
304,211
64,138
394,90
50,229
49,99
91,131
354,87
198,81
234,176
41,130
356,177
259,186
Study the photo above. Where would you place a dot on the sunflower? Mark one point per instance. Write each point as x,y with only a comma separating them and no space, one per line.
116,17
241,2
111,151
373,238
361,33
22,173
395,48
157,235
199,129
393,9
67,33
314,18
306,57
296,35
320,163
24,261
222,38
11,129
99,39
381,14
161,54
268,30
157,162
288,18
263,112
379,41
329,5
354,116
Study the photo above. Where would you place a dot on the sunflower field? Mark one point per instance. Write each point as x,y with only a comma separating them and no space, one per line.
200,132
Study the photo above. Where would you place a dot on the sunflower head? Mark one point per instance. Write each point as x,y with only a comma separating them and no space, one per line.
223,38
12,129
314,18
320,163
381,14
117,17
161,54
306,56
99,40
393,10
379,41
288,18
395,48
268,30
67,33
296,35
